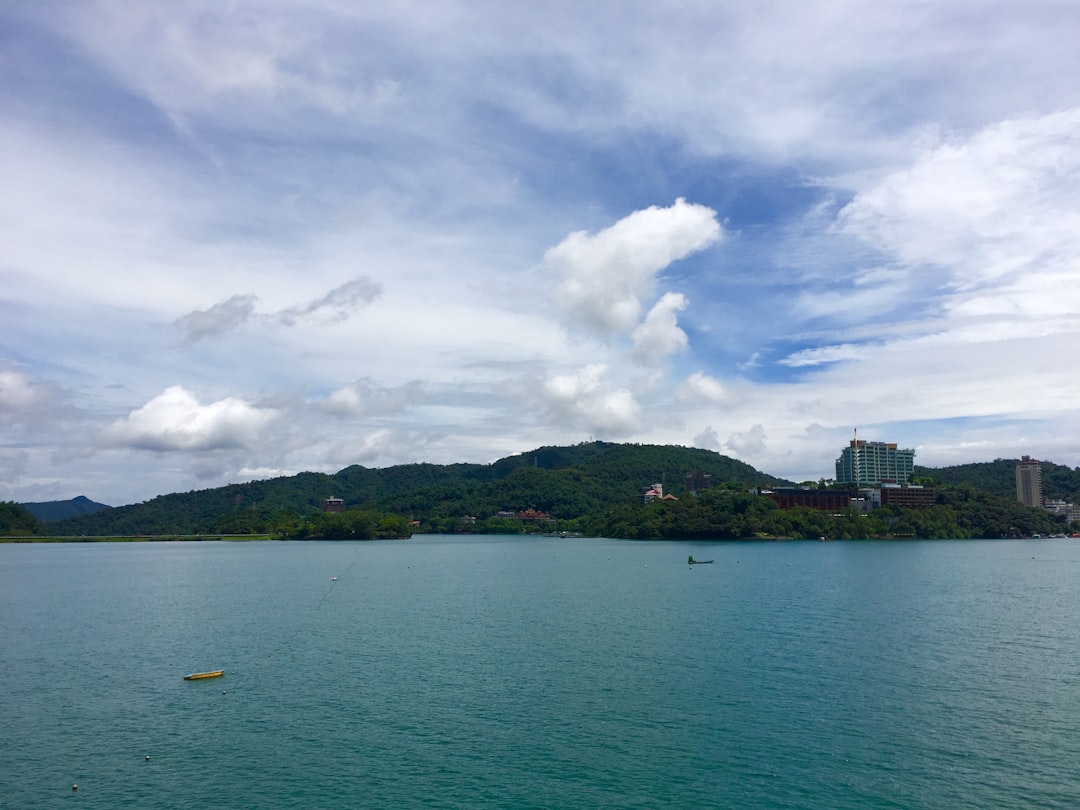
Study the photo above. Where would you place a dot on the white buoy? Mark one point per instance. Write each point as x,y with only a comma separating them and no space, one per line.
74,787
147,757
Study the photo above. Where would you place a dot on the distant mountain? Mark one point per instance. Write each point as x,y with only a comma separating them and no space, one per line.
564,481
999,478
47,511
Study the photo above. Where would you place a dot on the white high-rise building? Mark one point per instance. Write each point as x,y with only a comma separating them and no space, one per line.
874,463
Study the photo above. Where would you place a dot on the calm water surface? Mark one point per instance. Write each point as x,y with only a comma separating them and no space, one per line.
517,672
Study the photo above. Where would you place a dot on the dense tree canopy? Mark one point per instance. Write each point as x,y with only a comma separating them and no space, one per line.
998,477
566,482
17,521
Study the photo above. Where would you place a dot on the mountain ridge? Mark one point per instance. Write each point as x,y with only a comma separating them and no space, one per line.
47,511
565,481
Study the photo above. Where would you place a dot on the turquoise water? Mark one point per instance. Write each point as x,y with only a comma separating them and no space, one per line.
514,672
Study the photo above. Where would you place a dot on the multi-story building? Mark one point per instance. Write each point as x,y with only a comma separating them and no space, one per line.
874,463
833,500
1069,512
1029,482
908,497
698,480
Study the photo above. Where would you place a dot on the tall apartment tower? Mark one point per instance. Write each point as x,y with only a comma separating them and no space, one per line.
1029,482
874,463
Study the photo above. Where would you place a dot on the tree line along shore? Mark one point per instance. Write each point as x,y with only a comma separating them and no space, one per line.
591,489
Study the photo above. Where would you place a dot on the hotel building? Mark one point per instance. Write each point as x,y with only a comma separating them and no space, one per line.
874,463
1029,482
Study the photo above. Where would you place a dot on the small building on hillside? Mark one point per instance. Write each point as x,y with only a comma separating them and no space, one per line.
1069,512
825,499
333,505
698,480
910,497
533,514
652,493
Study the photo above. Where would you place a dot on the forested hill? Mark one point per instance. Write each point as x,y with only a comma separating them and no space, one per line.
998,477
566,482
58,510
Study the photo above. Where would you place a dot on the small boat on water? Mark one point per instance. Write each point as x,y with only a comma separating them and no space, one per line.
692,561
198,676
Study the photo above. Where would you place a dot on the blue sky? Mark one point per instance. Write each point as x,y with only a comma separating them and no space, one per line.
251,239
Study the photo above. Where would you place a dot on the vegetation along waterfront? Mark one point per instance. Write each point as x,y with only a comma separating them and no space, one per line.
593,488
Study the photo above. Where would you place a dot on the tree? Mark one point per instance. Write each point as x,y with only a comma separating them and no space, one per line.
17,521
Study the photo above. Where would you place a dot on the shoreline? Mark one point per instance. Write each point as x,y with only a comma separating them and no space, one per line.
139,538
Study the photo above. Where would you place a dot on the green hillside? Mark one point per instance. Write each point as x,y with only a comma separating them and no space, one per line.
593,488
566,482
18,521
999,477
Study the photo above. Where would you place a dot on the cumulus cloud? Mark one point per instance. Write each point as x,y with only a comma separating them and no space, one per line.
700,387
745,444
607,274
365,397
154,182
338,304
659,334
218,319
378,446
708,439
748,443
587,400
176,420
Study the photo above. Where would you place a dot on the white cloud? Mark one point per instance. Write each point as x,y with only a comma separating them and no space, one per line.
163,159
204,59
588,401
258,473
984,208
700,387
176,420
365,397
825,354
19,393
659,334
606,275
377,447
747,444
708,439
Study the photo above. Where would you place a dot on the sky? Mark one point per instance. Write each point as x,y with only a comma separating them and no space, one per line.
247,239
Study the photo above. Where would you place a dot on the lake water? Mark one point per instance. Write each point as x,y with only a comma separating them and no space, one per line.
535,672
